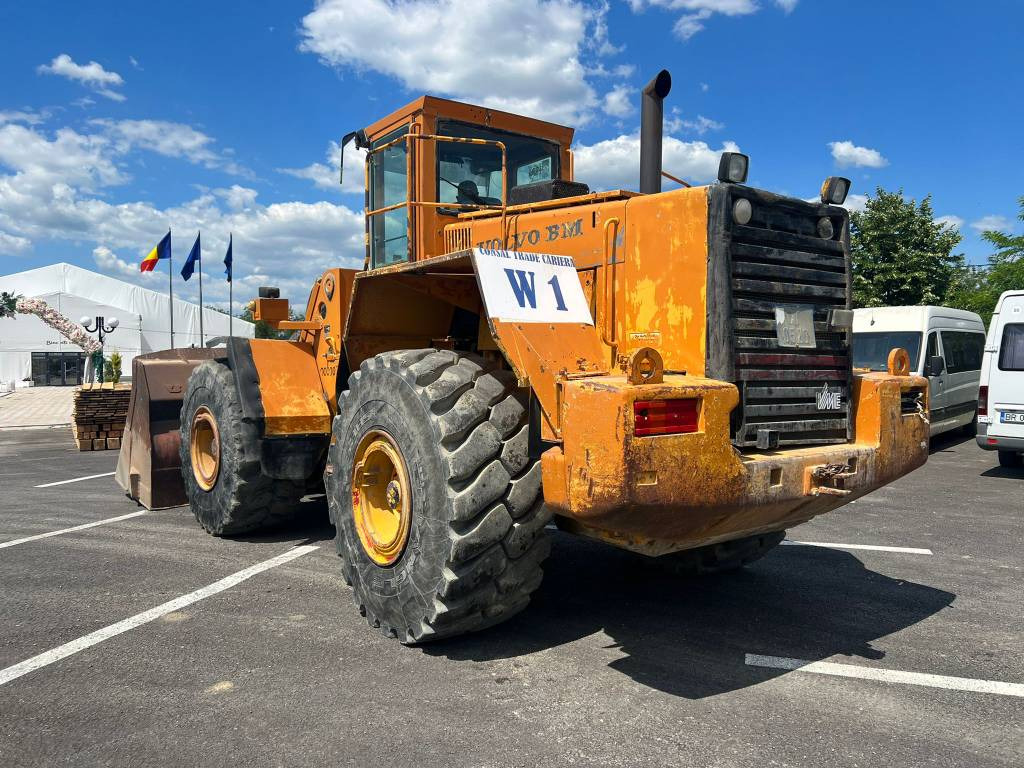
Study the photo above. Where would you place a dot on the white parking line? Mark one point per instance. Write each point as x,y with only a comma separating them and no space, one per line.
886,675
94,638
73,480
69,530
873,547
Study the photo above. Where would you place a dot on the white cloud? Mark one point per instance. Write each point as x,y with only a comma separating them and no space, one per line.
847,154
618,101
704,87
167,139
615,163
524,56
111,263
91,75
701,125
992,222
29,117
49,194
12,245
854,203
954,222
325,175
696,12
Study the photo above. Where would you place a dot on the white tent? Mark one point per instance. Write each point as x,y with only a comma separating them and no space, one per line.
143,316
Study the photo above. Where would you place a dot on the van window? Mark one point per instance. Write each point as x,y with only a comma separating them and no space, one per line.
1011,348
871,350
963,350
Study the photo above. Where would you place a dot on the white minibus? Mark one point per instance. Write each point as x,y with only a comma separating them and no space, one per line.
1001,399
945,344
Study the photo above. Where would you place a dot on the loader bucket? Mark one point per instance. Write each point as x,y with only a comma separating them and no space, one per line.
149,467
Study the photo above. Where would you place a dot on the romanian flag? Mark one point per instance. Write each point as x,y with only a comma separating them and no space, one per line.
162,251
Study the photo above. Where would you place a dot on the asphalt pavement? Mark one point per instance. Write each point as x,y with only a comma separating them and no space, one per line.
144,641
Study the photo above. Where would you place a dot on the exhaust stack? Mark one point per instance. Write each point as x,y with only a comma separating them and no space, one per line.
652,116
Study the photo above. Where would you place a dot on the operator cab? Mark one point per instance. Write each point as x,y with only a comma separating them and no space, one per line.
435,159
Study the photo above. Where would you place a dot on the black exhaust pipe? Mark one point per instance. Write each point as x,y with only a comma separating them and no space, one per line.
652,116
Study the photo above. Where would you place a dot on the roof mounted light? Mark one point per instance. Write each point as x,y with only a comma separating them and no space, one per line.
834,190
733,167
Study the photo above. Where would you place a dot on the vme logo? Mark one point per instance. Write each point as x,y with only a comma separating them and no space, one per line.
829,399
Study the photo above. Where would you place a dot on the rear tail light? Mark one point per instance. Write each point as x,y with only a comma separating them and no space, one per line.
664,417
983,401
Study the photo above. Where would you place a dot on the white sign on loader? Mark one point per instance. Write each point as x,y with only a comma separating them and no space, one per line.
531,287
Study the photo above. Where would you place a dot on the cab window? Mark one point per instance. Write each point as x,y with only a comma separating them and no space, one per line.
470,174
1011,348
963,350
389,232
932,349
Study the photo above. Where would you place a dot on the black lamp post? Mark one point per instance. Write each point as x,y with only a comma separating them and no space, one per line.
101,326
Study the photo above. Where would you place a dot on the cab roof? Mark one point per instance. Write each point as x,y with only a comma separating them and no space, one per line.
432,106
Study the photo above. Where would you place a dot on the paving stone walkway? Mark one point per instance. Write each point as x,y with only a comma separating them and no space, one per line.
36,407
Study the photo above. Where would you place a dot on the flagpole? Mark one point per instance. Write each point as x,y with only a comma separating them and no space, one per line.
231,292
202,336
170,282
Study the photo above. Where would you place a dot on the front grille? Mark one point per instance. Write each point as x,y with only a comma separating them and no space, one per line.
458,237
791,396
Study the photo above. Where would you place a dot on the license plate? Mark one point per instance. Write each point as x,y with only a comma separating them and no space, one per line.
794,327
1011,417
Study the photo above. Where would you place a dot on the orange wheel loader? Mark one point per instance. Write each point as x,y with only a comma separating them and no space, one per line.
666,371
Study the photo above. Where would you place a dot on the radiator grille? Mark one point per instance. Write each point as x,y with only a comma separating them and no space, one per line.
778,258
457,238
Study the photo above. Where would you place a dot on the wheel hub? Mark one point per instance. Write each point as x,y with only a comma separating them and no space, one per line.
204,448
380,498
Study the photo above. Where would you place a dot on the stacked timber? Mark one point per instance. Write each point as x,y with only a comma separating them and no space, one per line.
99,415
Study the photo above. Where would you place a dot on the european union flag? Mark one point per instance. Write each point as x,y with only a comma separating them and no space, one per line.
227,260
190,262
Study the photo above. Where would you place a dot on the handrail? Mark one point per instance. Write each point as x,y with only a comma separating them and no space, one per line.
411,204
608,307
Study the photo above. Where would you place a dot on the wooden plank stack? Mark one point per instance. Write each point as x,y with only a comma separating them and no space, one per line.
99,415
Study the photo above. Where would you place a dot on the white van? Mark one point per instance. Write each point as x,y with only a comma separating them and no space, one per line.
945,344
1001,399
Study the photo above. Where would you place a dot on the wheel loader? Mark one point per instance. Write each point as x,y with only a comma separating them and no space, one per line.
665,371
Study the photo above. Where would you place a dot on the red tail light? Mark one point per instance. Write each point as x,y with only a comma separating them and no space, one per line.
664,417
983,401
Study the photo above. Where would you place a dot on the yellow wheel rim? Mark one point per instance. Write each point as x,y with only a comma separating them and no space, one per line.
381,498
204,448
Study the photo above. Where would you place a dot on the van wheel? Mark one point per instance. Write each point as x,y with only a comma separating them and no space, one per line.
435,497
1009,459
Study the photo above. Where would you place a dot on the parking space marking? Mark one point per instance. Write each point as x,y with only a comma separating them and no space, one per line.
872,547
94,638
886,675
82,527
73,480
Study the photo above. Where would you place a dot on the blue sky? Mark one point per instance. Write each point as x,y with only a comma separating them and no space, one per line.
119,120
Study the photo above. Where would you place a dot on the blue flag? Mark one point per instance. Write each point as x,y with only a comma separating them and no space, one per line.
190,262
227,260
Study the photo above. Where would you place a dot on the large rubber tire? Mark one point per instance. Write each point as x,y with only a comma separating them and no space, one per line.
476,538
721,558
1010,459
242,499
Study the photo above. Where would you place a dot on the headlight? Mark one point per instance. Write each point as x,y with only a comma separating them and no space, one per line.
733,167
825,230
741,211
834,190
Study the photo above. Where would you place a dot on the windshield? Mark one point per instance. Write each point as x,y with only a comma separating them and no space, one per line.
470,174
871,350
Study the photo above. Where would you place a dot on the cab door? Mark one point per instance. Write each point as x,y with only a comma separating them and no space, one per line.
936,384
962,351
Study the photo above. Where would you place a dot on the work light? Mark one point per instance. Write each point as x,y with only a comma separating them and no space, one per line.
733,167
834,190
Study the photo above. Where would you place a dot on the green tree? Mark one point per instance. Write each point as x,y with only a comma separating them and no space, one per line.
900,254
980,287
